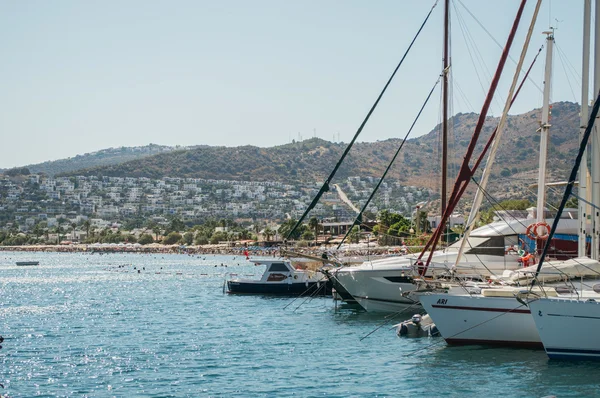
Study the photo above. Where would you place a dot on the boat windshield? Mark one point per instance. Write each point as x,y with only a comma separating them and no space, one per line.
278,267
490,245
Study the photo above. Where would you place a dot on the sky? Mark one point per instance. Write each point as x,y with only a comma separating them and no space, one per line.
80,76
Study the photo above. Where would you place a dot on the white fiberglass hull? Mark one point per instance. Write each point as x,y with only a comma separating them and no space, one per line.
568,328
378,286
400,304
464,320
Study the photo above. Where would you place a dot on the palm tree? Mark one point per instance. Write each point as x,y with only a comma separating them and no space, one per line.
87,225
268,233
156,230
73,226
59,231
313,223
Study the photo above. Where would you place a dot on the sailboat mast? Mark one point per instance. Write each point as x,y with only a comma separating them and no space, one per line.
583,168
445,105
478,199
596,142
545,127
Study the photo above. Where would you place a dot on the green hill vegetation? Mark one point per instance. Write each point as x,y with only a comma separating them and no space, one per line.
419,163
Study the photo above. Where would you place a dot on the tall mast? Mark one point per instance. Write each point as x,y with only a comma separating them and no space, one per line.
545,127
445,106
478,199
583,168
596,142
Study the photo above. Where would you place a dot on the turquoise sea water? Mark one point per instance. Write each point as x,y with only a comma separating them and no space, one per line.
91,325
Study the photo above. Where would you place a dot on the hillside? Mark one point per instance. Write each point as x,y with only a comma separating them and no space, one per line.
419,163
104,157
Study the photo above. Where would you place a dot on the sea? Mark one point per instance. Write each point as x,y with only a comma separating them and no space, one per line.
160,325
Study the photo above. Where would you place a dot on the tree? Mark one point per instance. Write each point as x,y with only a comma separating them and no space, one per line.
176,225
188,238
268,233
286,228
313,223
145,239
308,235
572,203
172,238
87,225
218,237
73,226
487,216
354,234
156,231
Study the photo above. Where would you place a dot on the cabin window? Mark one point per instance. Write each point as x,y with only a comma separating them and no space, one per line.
493,246
511,240
280,267
399,279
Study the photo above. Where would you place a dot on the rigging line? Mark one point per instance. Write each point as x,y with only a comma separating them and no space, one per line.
496,204
388,321
572,179
485,69
495,41
492,137
359,215
301,295
562,63
568,63
325,186
471,40
585,201
466,171
546,201
463,95
311,297
460,25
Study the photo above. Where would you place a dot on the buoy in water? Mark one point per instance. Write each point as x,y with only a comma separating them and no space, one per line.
417,326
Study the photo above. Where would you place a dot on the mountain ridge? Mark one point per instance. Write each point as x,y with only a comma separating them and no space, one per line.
418,164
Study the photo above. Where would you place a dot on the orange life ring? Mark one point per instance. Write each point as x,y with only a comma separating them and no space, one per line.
531,231
546,226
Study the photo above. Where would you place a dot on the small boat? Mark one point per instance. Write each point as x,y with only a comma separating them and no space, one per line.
24,263
417,326
281,278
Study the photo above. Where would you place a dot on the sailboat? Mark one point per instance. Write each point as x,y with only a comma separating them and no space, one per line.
567,326
378,285
492,315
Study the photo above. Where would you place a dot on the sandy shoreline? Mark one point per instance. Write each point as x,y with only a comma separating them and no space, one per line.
192,250
154,248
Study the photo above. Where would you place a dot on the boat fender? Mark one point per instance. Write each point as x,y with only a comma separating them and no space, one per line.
433,331
403,330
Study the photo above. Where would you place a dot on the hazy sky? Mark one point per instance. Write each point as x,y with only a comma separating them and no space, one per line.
79,76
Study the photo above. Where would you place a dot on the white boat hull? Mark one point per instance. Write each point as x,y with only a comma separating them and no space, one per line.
568,328
464,320
400,305
373,283
379,288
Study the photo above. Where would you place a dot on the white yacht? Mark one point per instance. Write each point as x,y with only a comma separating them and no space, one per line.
567,326
383,285
494,316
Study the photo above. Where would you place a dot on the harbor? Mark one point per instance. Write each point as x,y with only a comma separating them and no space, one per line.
449,252
80,324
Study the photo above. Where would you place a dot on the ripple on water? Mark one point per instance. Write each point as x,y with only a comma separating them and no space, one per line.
88,325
